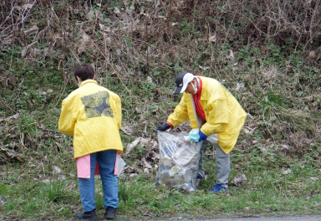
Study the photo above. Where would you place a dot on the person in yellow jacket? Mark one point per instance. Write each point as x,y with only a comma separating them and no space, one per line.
92,115
213,109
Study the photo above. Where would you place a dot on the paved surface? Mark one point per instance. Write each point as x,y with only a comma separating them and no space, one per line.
270,218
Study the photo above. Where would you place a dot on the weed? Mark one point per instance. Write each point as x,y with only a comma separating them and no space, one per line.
276,80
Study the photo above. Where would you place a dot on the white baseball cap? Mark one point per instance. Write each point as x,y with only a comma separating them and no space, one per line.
182,81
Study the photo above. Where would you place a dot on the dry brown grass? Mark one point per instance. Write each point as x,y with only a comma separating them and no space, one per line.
146,35
151,41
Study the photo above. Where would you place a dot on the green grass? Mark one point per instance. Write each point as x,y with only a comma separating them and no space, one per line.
34,193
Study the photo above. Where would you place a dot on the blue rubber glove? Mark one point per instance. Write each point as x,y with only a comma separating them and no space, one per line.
163,127
202,136
193,136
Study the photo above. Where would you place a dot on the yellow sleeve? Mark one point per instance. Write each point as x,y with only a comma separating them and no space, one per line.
67,118
180,113
218,117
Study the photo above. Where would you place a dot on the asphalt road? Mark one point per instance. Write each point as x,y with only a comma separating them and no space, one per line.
269,218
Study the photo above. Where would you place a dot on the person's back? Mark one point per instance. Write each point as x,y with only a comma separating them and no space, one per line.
92,115
235,114
96,112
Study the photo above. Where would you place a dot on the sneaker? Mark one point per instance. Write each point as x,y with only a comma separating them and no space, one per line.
87,215
218,188
110,213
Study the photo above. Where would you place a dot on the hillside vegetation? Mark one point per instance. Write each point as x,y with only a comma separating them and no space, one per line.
267,53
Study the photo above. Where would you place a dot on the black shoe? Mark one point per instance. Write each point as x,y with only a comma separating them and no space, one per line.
87,215
110,213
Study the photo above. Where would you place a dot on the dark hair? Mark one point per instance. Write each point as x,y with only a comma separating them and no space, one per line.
84,71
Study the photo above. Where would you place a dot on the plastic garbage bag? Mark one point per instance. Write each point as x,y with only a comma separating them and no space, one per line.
213,138
121,165
178,163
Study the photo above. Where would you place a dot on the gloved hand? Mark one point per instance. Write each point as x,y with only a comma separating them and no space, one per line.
193,136
202,136
163,127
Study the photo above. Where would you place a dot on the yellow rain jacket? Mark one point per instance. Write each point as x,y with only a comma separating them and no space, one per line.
92,115
224,115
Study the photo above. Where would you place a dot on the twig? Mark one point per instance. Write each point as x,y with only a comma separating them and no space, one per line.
62,91
311,24
130,93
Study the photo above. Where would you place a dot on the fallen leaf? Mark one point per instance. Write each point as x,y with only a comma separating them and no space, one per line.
127,130
213,38
239,179
286,171
145,163
314,178
132,145
56,170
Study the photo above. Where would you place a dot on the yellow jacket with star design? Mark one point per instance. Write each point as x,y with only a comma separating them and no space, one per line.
92,115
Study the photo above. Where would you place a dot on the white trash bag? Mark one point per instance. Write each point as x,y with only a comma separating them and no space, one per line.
121,165
178,163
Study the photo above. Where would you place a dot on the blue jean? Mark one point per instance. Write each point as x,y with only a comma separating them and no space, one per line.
106,160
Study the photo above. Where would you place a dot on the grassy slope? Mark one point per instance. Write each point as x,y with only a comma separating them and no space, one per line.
277,82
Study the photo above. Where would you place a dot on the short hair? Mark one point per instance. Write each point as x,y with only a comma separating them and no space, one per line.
84,71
